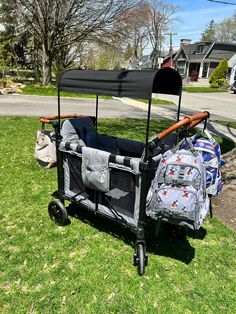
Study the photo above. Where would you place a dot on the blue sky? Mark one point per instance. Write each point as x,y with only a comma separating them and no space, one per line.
195,14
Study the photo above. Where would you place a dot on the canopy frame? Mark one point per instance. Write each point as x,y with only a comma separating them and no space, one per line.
124,83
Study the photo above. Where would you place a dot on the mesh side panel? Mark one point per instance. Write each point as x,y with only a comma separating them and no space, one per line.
122,192
75,177
76,184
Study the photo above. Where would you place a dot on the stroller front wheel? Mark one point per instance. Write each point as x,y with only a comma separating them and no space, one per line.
140,258
58,213
141,265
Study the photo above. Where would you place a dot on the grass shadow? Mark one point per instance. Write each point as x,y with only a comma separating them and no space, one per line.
226,143
172,242
101,223
197,234
175,246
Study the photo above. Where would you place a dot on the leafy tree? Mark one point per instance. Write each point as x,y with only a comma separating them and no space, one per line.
209,34
224,31
218,76
12,45
90,63
108,59
103,61
128,52
6,48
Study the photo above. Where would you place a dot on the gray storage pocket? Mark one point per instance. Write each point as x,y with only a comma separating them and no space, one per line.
95,169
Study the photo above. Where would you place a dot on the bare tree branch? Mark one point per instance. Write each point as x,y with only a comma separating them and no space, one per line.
161,17
57,23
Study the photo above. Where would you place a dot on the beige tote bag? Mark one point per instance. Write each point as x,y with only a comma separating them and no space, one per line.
45,149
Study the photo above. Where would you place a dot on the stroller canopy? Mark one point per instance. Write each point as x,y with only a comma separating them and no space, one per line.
124,83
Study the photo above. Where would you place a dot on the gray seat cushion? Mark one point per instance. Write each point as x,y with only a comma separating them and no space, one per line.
80,130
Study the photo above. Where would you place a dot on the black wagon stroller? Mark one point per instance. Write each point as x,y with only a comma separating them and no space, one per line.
107,175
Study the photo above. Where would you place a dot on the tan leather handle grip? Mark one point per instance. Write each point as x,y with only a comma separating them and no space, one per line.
200,116
49,119
191,121
194,123
174,127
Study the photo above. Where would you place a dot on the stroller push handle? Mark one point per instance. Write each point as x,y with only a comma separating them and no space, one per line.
199,117
189,121
50,119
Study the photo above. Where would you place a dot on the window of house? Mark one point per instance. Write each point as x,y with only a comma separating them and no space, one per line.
181,67
205,69
200,49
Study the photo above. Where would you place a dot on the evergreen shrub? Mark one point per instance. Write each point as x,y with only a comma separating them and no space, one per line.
218,76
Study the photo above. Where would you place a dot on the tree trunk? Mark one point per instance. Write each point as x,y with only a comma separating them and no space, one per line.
154,58
46,67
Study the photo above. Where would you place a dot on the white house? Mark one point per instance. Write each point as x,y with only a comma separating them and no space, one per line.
232,68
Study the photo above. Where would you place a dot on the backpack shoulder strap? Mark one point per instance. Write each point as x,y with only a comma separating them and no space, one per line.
207,133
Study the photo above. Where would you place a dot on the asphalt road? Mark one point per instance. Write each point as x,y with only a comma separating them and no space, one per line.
47,105
220,105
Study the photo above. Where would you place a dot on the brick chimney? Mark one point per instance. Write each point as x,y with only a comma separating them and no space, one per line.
185,42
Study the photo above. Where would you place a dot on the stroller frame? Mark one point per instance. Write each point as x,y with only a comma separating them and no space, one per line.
136,84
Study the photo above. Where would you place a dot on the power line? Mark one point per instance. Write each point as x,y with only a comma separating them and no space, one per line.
223,2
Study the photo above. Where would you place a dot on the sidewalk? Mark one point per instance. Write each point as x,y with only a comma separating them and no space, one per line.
169,112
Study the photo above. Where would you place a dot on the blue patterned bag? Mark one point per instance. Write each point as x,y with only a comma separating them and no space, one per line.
210,150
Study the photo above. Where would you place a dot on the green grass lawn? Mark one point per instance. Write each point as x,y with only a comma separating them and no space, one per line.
82,268
230,124
157,101
196,89
52,91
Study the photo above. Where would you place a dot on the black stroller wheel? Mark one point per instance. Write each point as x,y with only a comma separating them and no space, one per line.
140,259
58,213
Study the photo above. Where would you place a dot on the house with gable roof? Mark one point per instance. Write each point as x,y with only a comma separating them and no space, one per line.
201,57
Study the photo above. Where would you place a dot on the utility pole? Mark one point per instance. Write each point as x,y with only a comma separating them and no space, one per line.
171,46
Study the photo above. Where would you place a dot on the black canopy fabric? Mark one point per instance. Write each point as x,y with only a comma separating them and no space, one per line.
125,83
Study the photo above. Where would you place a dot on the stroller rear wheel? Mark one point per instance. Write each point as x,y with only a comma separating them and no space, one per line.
58,213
